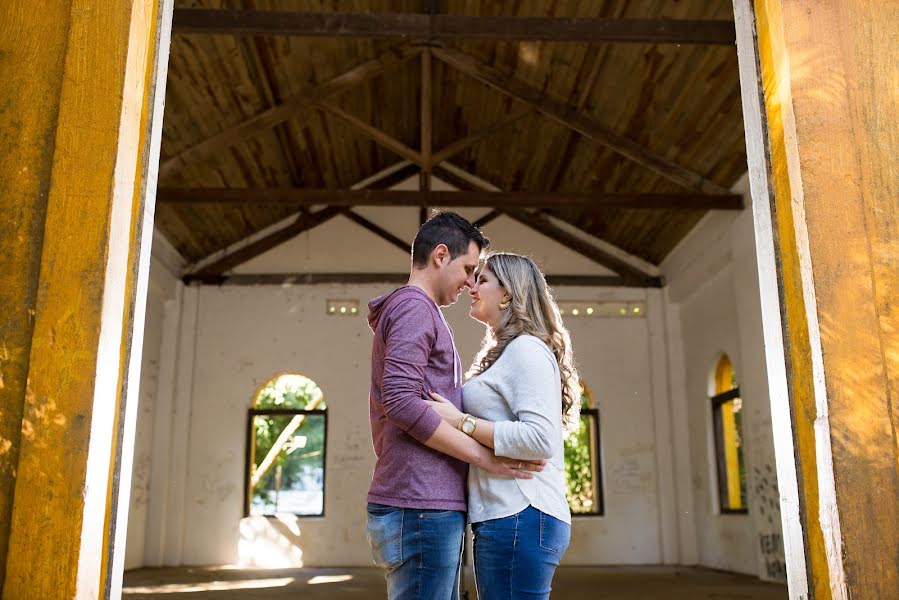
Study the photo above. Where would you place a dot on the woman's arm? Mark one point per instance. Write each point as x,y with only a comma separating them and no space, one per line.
483,431
531,386
532,389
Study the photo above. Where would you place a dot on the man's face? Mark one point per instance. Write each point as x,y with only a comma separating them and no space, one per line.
457,274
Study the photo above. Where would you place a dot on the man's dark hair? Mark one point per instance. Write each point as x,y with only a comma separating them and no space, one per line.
445,228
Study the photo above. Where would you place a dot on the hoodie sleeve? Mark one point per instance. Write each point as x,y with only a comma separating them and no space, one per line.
409,335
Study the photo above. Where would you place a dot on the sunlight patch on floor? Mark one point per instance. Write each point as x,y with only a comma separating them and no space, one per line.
210,586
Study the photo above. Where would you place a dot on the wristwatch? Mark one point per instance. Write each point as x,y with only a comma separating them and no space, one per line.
467,424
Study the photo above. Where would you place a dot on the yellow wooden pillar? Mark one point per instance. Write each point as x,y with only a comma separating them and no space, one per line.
829,75
76,108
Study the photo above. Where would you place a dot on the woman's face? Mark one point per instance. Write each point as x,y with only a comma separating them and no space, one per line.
486,295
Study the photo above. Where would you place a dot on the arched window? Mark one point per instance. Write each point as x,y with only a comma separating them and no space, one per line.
286,431
582,464
727,424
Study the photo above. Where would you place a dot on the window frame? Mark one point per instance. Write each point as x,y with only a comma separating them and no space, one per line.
596,456
717,401
252,413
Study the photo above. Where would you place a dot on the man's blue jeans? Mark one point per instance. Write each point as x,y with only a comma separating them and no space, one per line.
516,557
420,549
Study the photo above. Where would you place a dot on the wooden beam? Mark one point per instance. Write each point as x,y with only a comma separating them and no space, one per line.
388,181
303,222
541,223
492,215
453,27
475,137
260,71
280,113
282,279
460,183
470,197
378,136
378,231
563,114
427,122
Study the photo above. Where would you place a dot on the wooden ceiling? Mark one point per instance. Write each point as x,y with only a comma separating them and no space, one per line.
627,140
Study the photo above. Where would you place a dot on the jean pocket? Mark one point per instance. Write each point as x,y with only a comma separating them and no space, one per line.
554,534
384,531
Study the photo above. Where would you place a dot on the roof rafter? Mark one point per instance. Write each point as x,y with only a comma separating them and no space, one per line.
280,113
215,265
541,223
567,116
476,197
378,136
378,231
487,218
260,71
427,121
632,274
426,159
452,27
286,279
303,222
461,144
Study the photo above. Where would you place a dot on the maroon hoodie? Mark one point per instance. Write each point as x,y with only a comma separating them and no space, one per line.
412,352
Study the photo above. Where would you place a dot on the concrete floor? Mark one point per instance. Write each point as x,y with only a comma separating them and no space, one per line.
595,583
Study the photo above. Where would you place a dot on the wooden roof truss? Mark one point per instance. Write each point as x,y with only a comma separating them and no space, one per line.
524,207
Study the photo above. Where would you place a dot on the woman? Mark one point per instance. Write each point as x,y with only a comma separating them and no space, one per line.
522,393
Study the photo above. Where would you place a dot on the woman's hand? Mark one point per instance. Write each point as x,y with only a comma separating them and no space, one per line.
445,409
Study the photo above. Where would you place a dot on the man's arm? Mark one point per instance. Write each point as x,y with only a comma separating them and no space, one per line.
408,339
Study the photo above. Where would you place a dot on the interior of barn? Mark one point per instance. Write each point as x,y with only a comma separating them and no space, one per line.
296,165
200,197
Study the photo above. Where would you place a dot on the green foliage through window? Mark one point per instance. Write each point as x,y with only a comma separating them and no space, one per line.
286,471
584,489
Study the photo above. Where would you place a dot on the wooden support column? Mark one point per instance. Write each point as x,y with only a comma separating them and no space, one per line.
79,142
829,190
427,106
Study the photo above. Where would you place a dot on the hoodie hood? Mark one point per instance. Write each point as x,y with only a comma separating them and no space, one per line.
377,307
381,305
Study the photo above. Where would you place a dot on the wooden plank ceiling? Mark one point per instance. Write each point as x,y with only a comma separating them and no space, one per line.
677,102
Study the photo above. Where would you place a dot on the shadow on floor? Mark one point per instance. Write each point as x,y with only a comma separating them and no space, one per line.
570,583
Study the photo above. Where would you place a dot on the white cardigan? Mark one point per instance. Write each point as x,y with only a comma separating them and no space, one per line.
521,393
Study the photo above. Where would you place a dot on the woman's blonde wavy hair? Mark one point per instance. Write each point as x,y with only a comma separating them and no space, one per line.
532,311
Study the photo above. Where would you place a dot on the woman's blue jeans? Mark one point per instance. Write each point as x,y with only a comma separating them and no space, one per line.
516,557
420,549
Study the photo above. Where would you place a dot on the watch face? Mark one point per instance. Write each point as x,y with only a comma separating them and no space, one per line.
468,426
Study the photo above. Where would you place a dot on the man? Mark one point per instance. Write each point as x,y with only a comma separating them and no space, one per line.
416,510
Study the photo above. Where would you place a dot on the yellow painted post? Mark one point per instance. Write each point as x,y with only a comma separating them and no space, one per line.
829,73
25,166
75,97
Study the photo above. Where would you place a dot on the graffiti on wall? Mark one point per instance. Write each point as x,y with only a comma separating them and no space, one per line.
767,499
772,548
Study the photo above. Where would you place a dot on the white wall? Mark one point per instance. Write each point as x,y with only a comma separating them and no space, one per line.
216,346
164,266
233,339
713,286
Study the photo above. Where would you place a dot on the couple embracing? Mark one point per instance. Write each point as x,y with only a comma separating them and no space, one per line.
488,451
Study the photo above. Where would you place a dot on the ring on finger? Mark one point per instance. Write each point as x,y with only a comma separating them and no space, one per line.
519,464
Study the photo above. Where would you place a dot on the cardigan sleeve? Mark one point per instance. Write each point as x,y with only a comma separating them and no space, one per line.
532,387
